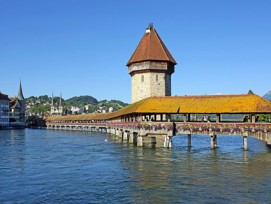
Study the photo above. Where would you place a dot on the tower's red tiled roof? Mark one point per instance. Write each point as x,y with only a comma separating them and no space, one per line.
151,48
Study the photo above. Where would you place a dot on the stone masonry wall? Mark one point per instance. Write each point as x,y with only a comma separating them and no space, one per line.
150,79
150,84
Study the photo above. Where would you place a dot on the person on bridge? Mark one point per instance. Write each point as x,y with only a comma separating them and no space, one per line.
245,119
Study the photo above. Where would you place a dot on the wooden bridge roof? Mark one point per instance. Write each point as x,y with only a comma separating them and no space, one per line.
207,104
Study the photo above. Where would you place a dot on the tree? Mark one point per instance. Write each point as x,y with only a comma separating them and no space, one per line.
250,92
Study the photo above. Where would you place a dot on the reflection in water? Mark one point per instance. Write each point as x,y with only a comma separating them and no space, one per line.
200,174
40,166
16,154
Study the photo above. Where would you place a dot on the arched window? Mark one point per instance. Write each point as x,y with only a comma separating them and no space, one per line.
142,78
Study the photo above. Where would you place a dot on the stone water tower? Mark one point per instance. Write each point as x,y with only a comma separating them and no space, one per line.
150,67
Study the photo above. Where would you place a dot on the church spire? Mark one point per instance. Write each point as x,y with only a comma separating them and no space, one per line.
52,101
20,95
60,107
60,101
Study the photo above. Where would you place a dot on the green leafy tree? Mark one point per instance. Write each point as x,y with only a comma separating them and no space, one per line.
250,92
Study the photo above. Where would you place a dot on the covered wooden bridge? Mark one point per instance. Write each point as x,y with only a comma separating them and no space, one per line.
153,121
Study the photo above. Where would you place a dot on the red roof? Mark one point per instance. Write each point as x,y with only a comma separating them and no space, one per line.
151,48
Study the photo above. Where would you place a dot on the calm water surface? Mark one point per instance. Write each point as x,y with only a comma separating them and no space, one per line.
46,166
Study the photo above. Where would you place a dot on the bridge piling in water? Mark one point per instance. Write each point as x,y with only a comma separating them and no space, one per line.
159,134
189,140
125,136
213,139
139,141
245,135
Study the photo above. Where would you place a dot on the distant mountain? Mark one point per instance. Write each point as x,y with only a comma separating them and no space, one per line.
82,100
267,95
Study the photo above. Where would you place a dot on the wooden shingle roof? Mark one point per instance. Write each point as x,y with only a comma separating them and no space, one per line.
207,104
244,103
151,48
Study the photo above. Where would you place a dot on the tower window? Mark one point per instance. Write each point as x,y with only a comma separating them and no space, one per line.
156,78
142,78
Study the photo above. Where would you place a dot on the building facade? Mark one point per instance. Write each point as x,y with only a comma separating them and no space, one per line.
150,67
4,110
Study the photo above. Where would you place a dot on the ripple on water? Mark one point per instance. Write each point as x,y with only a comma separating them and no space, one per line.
39,166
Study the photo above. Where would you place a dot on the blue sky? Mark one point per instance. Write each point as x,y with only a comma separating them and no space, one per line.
81,47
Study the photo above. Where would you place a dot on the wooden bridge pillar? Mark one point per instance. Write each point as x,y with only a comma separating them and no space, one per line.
153,142
133,138
139,141
120,135
112,131
125,136
245,134
213,141
130,138
168,141
188,140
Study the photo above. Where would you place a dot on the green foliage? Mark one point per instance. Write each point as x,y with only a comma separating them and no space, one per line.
82,100
250,92
43,99
31,99
39,108
264,117
92,109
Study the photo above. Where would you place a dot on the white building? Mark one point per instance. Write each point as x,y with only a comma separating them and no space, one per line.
76,110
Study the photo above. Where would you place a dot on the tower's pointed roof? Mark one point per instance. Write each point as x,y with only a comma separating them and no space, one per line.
20,95
151,48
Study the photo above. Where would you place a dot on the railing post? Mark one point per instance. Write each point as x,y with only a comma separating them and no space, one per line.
217,118
253,118
184,118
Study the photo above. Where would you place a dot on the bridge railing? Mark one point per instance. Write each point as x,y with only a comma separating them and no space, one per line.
178,126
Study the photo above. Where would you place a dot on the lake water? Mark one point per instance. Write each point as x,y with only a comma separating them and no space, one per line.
46,166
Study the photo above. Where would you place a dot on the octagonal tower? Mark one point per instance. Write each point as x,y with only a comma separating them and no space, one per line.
150,67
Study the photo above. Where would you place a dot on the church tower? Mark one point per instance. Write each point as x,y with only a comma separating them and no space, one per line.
150,67
21,103
56,110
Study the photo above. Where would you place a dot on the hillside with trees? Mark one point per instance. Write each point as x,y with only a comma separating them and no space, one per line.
41,105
